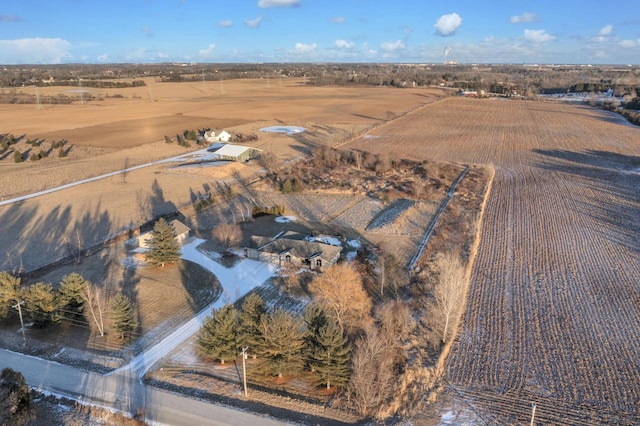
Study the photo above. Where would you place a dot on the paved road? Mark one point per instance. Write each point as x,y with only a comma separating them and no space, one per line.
124,392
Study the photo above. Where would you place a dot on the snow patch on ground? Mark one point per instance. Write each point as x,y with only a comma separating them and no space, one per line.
353,245
356,244
289,130
285,219
448,417
326,239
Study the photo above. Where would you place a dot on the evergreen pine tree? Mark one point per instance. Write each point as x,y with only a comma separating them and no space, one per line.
217,337
70,295
123,315
39,303
9,292
314,318
331,355
164,247
282,342
249,319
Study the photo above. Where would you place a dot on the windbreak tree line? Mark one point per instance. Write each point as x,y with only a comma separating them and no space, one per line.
75,299
282,343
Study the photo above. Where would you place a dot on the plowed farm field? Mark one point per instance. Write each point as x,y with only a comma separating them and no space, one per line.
553,310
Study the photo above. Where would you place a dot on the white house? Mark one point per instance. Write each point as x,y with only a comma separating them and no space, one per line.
182,233
223,136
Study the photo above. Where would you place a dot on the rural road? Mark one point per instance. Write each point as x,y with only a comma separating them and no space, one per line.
124,392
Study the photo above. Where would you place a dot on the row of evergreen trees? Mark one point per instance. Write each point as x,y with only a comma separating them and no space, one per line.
282,342
75,299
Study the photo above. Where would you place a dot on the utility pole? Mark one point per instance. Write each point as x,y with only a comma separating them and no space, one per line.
244,370
18,307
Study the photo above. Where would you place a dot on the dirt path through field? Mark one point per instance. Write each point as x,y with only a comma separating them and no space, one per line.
554,306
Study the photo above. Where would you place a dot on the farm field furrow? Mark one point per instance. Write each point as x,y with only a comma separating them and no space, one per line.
553,309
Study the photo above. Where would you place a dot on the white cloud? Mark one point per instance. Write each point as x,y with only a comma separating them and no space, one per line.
302,48
162,55
148,31
253,23
265,4
103,58
35,50
337,20
392,46
343,44
606,30
488,39
629,43
225,23
208,51
446,25
538,36
525,17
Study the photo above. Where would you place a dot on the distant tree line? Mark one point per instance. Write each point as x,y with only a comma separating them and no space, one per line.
8,144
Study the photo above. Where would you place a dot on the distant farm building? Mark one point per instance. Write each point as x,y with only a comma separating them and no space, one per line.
292,248
238,153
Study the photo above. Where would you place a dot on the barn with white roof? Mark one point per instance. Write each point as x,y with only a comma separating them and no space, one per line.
238,153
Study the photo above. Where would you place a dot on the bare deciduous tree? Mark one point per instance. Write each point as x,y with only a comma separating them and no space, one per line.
395,320
372,381
227,235
94,303
448,296
143,203
288,275
339,291
74,245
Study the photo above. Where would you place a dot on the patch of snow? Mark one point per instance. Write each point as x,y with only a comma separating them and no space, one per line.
59,352
351,255
325,239
356,244
285,219
289,130
448,417
131,262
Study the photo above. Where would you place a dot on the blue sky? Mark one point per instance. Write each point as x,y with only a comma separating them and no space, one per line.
470,31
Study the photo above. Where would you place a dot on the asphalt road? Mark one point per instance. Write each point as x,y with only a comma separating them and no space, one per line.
124,392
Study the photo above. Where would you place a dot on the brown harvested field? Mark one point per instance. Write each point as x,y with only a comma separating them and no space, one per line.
553,308
32,232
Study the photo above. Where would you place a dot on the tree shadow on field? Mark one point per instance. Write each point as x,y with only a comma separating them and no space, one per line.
159,205
45,246
610,195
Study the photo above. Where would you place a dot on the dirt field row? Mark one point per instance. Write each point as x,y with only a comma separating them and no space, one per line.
553,309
